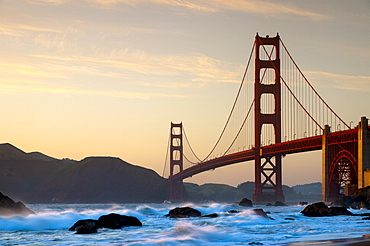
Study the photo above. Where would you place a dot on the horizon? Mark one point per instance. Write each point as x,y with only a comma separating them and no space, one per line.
106,78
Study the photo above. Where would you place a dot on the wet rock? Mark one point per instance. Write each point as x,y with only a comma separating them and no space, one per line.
245,202
319,209
260,212
276,204
302,203
85,226
213,215
117,221
279,204
183,212
10,208
233,212
344,201
360,199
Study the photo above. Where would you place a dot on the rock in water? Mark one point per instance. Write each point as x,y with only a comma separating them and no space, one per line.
213,215
319,209
117,221
245,202
360,199
279,204
85,226
276,204
344,201
260,212
233,212
10,208
183,212
302,203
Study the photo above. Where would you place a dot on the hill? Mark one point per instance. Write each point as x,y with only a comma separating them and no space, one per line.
38,178
308,189
227,193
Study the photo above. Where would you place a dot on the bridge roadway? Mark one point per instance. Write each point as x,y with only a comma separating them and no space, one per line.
289,147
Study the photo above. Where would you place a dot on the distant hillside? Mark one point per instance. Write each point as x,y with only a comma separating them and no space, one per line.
37,178
308,189
212,192
227,193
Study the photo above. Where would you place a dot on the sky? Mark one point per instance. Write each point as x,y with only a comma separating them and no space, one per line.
107,77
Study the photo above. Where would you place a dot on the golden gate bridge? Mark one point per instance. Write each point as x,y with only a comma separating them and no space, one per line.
277,112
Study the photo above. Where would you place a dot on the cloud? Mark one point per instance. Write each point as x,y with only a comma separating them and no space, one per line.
130,74
252,6
20,30
28,86
197,66
344,82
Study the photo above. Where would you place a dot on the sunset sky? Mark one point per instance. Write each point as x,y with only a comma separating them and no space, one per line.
106,77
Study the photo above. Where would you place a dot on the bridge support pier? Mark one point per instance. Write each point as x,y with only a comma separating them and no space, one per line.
177,191
325,166
363,153
272,173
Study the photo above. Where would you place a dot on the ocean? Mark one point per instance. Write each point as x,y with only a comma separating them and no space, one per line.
49,226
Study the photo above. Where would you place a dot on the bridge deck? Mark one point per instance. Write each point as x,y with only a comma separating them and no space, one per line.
289,147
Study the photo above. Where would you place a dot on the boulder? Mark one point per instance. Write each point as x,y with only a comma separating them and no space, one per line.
276,204
360,199
10,208
339,211
319,209
85,226
117,221
245,202
183,212
279,204
233,211
213,215
302,203
260,212
344,201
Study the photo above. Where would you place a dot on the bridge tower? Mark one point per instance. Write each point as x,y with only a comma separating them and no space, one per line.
176,159
268,171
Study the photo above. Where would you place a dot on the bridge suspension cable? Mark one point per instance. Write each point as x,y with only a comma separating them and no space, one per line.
167,152
191,149
229,117
241,127
310,85
304,112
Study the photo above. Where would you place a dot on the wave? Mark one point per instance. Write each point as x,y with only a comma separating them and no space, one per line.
51,222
